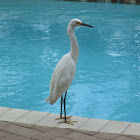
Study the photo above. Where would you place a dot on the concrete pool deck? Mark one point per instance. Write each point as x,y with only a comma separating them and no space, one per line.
18,124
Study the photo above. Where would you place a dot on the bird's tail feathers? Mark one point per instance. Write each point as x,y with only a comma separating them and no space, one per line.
47,99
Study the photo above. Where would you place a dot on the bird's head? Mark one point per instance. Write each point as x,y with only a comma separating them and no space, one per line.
76,22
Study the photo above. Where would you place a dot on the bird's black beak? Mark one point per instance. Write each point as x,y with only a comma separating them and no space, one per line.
83,24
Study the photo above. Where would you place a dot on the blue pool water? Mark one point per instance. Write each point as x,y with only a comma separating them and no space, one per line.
33,38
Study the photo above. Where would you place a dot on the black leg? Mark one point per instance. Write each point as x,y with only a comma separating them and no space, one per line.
65,118
61,106
65,106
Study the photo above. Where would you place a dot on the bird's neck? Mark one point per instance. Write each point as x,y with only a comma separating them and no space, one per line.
74,52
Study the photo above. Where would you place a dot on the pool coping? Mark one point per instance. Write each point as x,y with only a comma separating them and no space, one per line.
83,123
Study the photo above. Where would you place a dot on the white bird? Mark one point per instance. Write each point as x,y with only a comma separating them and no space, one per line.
64,71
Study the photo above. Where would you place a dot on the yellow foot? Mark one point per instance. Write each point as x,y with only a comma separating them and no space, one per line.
63,118
68,122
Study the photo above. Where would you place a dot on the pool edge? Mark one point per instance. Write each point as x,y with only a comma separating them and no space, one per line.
48,119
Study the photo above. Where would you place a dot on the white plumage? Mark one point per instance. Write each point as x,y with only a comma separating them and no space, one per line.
64,71
62,78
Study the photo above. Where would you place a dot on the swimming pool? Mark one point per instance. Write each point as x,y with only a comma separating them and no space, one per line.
33,38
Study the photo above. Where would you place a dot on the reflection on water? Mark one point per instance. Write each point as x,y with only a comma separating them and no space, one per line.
33,38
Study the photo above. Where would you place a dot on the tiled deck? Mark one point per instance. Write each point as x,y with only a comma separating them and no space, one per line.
17,124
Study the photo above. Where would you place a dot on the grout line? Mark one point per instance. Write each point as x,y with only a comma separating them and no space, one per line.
9,133
5,111
132,137
105,125
57,124
126,128
12,133
42,118
83,123
22,115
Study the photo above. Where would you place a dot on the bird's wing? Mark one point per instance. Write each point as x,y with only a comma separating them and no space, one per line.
62,77
60,67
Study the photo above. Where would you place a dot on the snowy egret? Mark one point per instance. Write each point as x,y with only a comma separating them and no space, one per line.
65,69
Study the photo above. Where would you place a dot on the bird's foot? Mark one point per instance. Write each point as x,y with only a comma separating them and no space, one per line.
68,122
68,117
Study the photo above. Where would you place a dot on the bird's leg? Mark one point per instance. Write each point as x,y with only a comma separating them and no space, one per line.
61,106
61,109
64,109
65,118
65,106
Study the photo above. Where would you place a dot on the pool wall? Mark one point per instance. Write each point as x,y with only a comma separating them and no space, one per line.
111,1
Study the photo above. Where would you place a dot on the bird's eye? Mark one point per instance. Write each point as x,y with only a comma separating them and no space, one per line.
78,22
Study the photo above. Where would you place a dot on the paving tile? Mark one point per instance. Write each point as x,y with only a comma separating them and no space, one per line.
3,134
32,117
41,128
80,136
107,136
93,125
80,121
60,138
18,130
49,120
133,129
13,114
134,136
3,110
115,127
3,123
53,133
91,133
23,124
14,137
124,138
